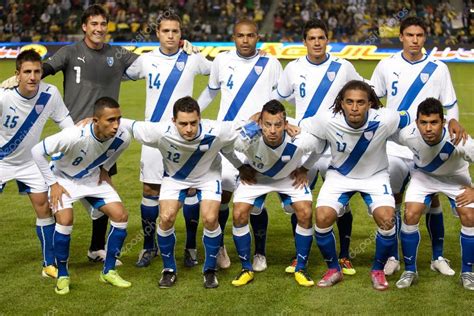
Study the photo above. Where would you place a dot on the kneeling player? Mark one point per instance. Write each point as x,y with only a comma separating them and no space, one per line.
23,112
440,167
87,153
190,149
357,133
276,158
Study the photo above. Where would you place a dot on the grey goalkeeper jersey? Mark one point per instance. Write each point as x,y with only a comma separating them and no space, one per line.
90,74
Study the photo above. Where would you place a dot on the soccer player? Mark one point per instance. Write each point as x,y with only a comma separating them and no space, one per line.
407,78
190,149
440,167
246,80
357,133
314,81
276,157
86,155
23,112
169,74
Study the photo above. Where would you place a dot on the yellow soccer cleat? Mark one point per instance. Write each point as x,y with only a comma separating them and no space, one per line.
303,278
62,285
291,267
244,277
346,266
112,277
50,272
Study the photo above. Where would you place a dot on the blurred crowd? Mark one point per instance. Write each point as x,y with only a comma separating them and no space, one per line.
213,20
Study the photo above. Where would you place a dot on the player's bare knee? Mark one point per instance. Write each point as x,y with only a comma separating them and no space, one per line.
210,220
167,220
325,217
411,217
466,215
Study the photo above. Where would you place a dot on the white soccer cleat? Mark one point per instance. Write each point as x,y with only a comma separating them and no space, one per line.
442,266
99,256
259,263
391,266
223,260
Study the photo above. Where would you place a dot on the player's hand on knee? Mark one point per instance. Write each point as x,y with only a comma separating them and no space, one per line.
293,130
56,193
9,83
188,48
466,197
300,177
456,132
247,175
104,177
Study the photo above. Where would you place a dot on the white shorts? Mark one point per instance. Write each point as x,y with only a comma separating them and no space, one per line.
27,176
255,194
423,187
96,195
208,189
312,179
230,175
151,165
323,164
399,170
337,190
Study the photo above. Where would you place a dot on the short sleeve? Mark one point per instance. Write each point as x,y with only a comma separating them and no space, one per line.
315,125
60,111
60,59
352,73
148,133
377,81
285,88
214,83
204,65
468,150
128,58
135,71
60,142
447,94
277,71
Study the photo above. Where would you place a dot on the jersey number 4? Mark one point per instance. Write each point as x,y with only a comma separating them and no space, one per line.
154,83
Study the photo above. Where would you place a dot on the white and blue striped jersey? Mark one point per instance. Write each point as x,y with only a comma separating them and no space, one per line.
79,153
357,153
443,159
315,86
280,162
186,160
23,119
246,84
168,78
406,84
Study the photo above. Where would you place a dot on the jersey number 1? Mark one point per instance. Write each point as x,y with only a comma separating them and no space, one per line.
77,69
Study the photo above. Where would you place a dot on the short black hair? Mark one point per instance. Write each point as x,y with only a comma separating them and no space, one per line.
356,85
430,106
413,20
273,107
27,55
245,21
94,10
105,102
187,105
168,15
314,24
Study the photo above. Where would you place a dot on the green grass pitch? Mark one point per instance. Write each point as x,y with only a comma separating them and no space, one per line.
24,291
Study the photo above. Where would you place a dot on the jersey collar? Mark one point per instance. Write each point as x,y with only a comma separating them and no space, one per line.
414,62
169,55
247,58
309,61
24,97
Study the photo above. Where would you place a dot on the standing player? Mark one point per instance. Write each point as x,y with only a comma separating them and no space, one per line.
439,167
87,154
314,81
23,113
406,79
357,134
169,74
277,159
190,148
246,80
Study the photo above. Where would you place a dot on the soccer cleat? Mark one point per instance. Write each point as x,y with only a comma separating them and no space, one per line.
190,258
168,279
379,282
442,266
50,272
112,277
407,279
292,266
99,256
303,278
145,257
259,263
210,279
467,280
391,266
331,277
62,285
223,260
244,277
346,266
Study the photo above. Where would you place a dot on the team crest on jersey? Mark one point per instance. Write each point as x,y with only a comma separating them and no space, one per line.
39,108
204,147
285,158
180,65
331,75
258,69
110,61
368,135
424,77
110,152
443,156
